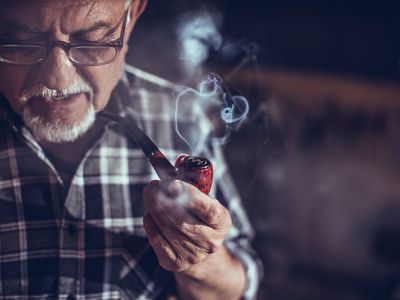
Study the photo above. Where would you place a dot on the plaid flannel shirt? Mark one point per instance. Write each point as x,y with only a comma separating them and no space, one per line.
86,240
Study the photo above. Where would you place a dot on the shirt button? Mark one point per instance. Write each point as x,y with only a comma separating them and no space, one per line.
71,229
71,297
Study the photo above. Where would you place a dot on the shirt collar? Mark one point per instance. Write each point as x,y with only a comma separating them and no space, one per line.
118,97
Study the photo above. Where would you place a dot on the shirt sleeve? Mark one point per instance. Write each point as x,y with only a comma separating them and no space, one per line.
238,240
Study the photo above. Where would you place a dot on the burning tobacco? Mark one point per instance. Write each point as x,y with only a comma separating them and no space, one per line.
196,170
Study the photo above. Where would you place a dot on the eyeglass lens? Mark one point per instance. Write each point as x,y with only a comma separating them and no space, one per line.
87,55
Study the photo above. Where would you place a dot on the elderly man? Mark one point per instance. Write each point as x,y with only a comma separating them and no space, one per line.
80,217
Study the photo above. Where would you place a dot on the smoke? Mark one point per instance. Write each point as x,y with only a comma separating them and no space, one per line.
203,48
198,35
226,112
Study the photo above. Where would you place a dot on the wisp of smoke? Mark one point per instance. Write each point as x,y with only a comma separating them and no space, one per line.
198,35
213,96
201,42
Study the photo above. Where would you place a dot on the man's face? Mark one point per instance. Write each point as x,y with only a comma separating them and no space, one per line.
70,93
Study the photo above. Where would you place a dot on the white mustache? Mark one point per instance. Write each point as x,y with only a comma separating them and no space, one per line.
78,85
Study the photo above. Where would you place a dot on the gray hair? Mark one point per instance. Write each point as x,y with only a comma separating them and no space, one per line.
127,3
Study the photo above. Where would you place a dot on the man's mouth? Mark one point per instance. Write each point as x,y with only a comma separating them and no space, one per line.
59,99
50,100
59,118
41,94
71,106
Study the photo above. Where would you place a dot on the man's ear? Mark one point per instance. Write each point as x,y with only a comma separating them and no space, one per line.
137,8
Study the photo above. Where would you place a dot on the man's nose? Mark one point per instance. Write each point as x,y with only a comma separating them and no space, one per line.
56,71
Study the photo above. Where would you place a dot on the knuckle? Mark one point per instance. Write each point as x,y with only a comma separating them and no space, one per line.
228,222
214,214
170,261
196,231
195,259
183,226
188,246
213,246
178,265
205,248
166,264
192,198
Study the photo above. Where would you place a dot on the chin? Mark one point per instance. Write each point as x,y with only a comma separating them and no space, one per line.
58,131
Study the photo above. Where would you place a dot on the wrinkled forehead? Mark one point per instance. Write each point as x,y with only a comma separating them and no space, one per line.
59,3
69,15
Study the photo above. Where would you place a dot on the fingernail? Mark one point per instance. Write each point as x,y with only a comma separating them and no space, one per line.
175,187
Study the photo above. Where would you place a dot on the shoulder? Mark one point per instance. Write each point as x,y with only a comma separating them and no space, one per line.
152,94
138,79
158,107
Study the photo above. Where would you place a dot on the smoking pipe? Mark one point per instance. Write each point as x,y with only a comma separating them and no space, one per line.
198,171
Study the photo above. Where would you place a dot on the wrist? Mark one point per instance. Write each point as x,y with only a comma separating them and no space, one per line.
220,275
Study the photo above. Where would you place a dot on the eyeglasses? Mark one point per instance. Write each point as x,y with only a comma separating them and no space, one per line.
84,54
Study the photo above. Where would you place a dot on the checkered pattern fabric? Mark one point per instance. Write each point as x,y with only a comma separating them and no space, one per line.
86,240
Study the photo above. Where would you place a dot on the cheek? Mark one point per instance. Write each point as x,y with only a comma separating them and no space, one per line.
103,80
12,80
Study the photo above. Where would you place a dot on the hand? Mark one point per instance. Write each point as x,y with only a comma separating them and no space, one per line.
184,226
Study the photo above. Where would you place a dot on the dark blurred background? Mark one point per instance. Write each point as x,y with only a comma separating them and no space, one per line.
335,36
317,163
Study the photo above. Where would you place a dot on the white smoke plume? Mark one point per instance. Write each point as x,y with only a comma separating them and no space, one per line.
198,35
227,112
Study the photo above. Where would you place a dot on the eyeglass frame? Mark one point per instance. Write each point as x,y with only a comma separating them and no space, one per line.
116,44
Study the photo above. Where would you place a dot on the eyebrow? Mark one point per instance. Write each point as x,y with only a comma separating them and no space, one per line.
17,26
96,26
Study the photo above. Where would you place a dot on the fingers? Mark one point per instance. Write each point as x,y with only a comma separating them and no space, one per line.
165,253
176,221
175,252
184,225
207,209
182,197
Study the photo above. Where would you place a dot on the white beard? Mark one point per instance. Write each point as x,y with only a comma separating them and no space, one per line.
58,131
